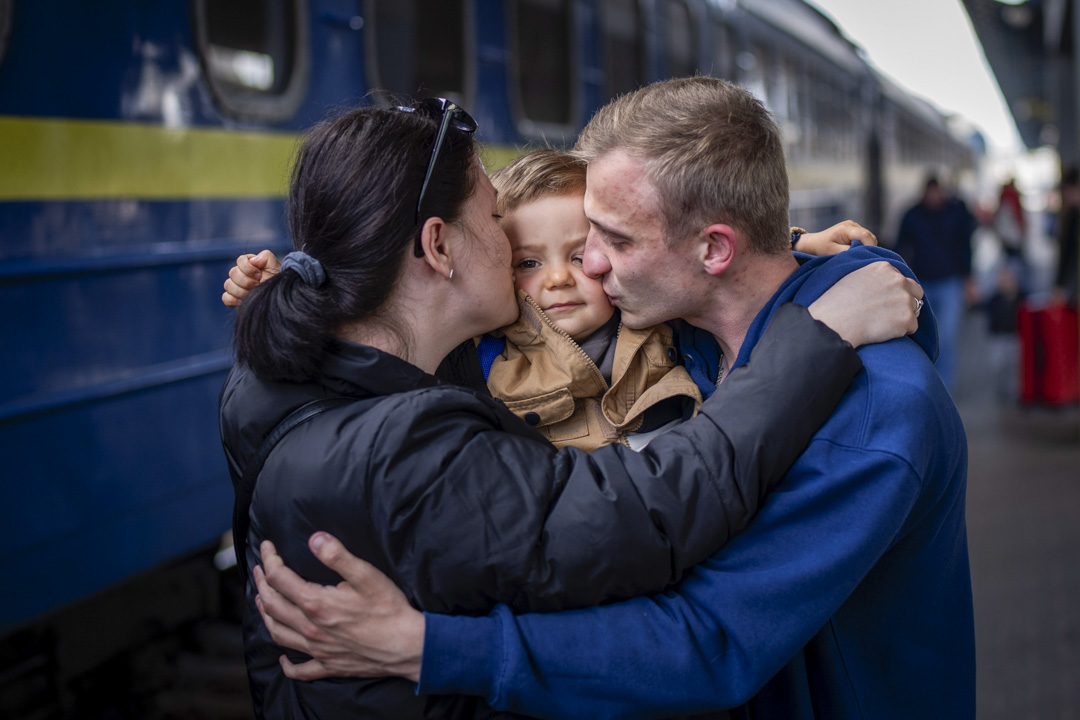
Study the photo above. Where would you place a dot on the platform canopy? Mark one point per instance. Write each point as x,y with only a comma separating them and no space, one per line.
1030,48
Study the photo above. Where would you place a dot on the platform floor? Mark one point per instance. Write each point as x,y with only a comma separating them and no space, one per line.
1024,534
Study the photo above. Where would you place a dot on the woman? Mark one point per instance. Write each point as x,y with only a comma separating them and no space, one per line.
461,503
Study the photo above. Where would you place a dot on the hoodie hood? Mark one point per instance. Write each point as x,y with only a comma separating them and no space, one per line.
818,274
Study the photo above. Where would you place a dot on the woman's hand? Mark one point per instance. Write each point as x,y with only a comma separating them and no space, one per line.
834,240
362,627
248,272
873,304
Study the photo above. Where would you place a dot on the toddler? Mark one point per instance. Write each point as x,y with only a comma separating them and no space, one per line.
567,367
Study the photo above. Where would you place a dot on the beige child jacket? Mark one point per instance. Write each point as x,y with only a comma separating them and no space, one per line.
546,379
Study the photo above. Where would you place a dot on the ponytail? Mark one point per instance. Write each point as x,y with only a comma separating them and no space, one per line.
352,212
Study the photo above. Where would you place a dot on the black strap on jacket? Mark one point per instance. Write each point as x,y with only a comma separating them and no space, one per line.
245,489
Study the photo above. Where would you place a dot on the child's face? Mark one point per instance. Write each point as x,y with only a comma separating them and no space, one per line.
547,237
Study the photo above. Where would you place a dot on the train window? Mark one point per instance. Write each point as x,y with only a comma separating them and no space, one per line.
255,55
5,27
752,72
624,46
416,48
784,102
542,31
681,40
721,51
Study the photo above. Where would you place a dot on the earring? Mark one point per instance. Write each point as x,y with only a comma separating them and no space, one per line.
451,274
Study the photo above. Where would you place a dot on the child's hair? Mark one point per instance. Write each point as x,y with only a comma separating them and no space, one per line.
537,174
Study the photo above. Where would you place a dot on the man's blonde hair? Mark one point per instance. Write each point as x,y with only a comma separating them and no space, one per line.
535,175
711,149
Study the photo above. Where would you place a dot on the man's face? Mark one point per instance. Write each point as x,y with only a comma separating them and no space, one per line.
647,280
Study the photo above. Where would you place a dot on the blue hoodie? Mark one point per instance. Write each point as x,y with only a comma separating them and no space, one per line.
848,596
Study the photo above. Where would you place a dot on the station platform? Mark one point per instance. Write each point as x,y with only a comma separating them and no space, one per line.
1024,532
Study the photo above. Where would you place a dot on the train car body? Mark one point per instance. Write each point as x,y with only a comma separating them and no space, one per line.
143,146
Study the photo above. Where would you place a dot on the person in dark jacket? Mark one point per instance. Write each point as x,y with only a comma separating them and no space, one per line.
399,260
1066,287
935,241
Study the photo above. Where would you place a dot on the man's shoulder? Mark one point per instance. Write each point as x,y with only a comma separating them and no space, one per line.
897,405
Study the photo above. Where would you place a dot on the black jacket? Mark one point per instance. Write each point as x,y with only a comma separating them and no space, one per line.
464,506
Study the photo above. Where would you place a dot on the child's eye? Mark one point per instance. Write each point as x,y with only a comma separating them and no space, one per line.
577,259
528,265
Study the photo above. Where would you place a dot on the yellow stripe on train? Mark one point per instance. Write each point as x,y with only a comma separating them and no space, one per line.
64,159
61,159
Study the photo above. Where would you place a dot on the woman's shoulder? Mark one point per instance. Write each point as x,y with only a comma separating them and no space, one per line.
442,415
433,404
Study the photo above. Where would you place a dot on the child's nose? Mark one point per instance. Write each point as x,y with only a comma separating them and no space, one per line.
559,276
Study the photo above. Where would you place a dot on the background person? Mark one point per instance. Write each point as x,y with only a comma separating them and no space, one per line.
935,241
400,260
1068,237
1010,228
849,594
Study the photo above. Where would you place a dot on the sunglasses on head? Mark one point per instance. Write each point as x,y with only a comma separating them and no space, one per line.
450,115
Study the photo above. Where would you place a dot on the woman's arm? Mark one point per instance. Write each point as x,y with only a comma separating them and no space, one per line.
509,519
661,504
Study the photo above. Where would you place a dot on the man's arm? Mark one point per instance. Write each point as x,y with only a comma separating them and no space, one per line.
728,627
711,643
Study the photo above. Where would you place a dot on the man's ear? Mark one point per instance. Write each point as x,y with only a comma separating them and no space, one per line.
718,246
435,240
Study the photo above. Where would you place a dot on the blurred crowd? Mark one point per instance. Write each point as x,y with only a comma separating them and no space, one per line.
1030,308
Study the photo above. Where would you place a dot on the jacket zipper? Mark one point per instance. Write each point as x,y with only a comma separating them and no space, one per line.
560,331
544,317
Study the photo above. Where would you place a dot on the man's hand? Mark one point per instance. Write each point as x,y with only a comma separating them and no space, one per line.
362,627
835,240
248,272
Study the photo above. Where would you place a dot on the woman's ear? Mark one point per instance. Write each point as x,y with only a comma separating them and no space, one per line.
718,247
435,240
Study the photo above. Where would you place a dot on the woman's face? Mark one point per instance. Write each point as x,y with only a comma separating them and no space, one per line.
484,270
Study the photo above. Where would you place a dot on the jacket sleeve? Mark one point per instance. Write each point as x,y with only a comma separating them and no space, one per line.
714,640
508,519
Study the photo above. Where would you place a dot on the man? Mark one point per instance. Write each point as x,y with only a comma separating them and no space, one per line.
935,240
847,596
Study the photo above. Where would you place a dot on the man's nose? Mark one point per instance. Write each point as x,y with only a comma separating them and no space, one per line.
593,261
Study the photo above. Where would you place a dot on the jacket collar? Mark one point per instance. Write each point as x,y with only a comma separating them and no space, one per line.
360,371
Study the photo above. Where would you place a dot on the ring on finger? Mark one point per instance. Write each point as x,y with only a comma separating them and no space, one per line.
918,306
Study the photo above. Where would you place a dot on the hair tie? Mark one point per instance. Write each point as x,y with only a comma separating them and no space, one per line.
308,268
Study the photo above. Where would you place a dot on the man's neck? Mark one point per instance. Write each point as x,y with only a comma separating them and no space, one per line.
741,292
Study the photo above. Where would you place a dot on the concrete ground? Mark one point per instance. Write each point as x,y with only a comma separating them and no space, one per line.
1024,533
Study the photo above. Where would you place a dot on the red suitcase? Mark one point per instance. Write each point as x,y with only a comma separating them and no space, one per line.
1049,354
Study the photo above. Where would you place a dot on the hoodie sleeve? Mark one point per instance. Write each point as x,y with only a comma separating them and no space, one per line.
509,519
714,640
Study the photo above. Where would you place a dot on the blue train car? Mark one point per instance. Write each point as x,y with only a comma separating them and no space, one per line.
126,191
143,146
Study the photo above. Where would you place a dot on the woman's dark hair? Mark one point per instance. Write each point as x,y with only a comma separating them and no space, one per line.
352,207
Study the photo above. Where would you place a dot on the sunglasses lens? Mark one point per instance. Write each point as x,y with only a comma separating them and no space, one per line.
462,121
